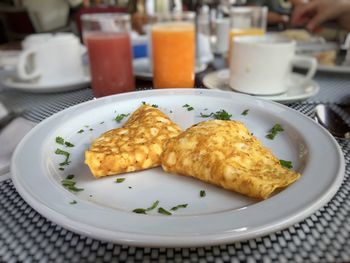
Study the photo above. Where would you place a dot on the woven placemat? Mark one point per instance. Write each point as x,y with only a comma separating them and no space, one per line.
26,236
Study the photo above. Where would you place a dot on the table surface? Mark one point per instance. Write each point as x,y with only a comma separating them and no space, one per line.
26,236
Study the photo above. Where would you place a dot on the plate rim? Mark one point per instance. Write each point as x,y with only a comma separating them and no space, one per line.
275,98
175,241
9,83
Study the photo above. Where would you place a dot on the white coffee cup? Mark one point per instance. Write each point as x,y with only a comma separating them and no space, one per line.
51,59
262,65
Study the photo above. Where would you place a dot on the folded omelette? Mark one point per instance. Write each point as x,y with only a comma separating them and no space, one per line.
226,154
135,146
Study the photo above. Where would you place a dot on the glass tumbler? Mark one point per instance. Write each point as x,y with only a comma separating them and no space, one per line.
107,37
173,50
247,21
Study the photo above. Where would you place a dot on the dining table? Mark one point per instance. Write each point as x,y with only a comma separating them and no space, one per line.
324,236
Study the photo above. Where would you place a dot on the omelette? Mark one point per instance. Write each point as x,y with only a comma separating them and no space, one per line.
137,145
226,154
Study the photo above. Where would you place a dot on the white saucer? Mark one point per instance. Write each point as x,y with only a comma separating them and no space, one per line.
296,92
12,82
142,69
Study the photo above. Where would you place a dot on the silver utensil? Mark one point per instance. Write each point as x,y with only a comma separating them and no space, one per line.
325,116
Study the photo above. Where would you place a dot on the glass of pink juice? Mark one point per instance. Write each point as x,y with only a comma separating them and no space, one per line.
110,56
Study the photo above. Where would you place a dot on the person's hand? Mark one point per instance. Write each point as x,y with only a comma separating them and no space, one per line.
314,13
276,18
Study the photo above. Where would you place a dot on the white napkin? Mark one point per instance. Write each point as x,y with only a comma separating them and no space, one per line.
10,136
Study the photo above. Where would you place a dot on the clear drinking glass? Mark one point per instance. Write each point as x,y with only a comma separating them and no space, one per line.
173,50
107,37
247,21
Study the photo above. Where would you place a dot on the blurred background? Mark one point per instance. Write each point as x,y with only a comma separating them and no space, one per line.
19,18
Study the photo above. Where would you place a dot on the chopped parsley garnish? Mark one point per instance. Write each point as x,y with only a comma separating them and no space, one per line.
274,131
102,122
139,211
161,210
286,164
61,168
154,105
81,131
69,184
189,108
73,202
68,144
178,206
202,193
91,129
59,140
245,112
144,103
65,154
144,210
70,176
120,117
120,180
219,115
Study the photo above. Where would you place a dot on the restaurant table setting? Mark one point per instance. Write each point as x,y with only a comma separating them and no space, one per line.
52,209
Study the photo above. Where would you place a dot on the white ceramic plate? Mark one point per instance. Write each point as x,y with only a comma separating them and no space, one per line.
142,69
104,209
296,92
12,82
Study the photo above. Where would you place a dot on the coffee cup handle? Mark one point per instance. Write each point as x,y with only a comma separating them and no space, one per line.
311,64
22,65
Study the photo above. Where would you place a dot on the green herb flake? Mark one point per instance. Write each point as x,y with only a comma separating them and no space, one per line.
102,122
178,206
245,112
80,131
120,117
274,131
65,154
59,140
129,187
73,202
91,129
69,184
161,210
219,115
154,105
120,180
70,177
206,115
189,108
68,144
222,115
286,164
202,193
144,103
61,168
144,210
139,211
153,206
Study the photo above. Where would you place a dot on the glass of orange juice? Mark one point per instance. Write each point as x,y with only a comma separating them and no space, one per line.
173,50
247,21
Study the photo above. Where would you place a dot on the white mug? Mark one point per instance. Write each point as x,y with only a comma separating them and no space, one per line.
262,65
51,59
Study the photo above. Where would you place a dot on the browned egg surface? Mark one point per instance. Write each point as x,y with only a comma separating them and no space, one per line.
226,154
135,146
